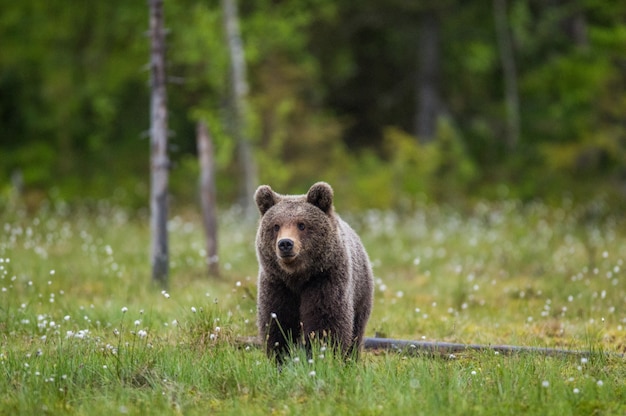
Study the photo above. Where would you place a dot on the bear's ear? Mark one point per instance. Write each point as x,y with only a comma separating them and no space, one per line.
321,195
265,198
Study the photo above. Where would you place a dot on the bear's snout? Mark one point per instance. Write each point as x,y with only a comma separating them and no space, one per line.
285,247
288,244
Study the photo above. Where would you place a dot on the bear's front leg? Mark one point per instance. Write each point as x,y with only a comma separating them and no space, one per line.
327,315
278,318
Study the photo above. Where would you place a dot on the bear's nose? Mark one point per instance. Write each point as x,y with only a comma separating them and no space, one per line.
285,245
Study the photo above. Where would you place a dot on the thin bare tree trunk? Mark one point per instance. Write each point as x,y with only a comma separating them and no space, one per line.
159,161
428,102
239,90
505,46
574,24
208,196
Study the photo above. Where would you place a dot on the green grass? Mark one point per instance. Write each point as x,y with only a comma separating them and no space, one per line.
82,331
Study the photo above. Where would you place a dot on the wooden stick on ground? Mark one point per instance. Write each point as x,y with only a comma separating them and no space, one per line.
446,348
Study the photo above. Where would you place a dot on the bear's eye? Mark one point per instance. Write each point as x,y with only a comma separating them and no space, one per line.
301,226
276,227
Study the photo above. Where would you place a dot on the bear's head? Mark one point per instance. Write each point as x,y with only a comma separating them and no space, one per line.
296,232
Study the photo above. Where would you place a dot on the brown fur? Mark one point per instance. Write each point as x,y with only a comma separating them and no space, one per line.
315,279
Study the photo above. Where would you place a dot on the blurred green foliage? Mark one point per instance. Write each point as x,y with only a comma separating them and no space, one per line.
332,97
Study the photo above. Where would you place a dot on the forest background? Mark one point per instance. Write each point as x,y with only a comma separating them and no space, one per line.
394,103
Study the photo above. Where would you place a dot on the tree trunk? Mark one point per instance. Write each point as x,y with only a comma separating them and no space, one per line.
159,162
238,124
505,46
428,102
447,348
574,24
208,196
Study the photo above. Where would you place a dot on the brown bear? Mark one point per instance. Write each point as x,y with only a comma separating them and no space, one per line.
315,278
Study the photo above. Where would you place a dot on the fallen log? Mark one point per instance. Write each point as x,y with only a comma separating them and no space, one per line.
448,348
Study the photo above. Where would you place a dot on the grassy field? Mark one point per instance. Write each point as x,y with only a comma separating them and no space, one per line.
83,332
